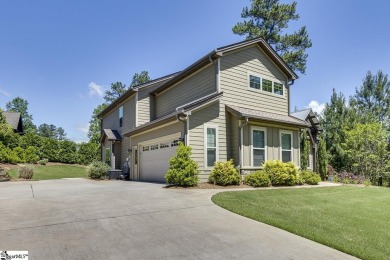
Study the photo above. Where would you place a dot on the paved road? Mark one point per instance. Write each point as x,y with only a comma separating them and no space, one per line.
83,219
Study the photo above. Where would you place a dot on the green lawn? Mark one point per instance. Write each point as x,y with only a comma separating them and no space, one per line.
48,172
354,220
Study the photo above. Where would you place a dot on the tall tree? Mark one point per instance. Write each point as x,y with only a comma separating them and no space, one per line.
366,149
267,19
334,120
372,98
20,105
95,124
46,130
115,91
139,78
60,134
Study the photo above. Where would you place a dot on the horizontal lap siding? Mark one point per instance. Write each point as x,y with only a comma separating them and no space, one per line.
234,81
213,114
111,121
146,103
192,88
174,128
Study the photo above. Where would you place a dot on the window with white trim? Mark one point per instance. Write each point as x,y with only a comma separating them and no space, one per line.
121,116
259,83
254,82
211,146
278,88
286,146
266,85
258,146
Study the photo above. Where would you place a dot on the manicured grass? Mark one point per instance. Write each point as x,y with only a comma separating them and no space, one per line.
354,220
48,172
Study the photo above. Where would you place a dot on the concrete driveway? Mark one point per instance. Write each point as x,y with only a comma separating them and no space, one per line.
84,219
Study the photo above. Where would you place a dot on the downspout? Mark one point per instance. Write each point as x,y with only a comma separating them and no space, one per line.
184,121
241,141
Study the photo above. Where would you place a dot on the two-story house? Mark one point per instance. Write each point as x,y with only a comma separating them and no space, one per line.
233,103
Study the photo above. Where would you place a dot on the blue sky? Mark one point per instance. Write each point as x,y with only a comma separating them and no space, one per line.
59,54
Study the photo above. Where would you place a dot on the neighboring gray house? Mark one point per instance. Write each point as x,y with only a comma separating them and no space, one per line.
15,120
313,131
233,103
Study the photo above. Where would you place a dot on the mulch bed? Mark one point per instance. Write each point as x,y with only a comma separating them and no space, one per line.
206,185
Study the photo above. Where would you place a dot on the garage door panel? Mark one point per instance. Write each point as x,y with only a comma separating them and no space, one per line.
154,160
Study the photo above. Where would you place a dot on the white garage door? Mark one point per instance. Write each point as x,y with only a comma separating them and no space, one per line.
154,159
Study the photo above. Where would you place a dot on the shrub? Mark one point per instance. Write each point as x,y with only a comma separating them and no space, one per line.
367,183
98,170
88,152
26,172
19,151
183,171
224,173
281,173
43,161
310,177
31,155
258,179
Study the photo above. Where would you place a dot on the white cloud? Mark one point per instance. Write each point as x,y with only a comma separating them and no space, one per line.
95,89
83,128
3,92
316,107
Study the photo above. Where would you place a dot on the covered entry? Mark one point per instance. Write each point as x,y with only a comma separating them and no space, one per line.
154,158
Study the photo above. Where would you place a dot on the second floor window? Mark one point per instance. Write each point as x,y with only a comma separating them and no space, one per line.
254,82
259,83
121,116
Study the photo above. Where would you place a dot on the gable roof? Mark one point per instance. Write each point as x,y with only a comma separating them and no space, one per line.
309,116
132,90
209,58
266,116
219,52
14,119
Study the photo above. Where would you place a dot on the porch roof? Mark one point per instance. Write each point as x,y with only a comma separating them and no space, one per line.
266,116
111,135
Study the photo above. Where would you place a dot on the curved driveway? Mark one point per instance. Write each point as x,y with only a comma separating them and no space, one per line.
83,219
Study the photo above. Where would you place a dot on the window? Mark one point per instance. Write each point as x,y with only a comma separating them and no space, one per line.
121,116
254,82
286,146
278,88
211,146
258,146
267,85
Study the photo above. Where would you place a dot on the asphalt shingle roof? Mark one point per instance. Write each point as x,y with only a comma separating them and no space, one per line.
257,114
12,118
112,135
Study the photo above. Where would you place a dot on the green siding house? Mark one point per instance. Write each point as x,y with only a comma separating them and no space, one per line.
233,103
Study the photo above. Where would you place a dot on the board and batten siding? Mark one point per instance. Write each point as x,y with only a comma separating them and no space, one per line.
273,144
194,87
212,115
234,81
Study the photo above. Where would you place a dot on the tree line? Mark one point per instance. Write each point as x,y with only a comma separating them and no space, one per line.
45,142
